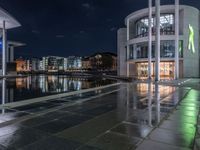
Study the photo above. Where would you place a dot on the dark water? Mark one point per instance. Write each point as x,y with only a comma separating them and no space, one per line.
23,88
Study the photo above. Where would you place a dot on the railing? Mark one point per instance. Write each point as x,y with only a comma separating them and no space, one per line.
162,32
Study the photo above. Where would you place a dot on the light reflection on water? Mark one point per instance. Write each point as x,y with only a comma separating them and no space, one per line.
22,88
147,103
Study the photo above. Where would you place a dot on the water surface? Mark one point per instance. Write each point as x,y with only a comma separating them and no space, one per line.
22,88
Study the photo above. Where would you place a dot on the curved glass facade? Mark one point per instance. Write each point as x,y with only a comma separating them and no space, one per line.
167,50
167,25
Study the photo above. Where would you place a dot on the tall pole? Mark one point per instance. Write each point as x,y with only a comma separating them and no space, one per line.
150,41
157,52
128,48
176,70
4,49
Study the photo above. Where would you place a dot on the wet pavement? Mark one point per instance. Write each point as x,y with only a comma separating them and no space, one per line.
141,116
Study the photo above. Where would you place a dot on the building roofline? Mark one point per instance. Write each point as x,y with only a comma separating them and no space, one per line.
162,7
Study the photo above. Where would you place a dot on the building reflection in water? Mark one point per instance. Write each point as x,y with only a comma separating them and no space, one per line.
22,88
142,104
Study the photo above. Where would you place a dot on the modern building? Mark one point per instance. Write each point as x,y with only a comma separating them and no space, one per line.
53,63
74,63
86,64
10,56
104,61
22,65
34,64
133,42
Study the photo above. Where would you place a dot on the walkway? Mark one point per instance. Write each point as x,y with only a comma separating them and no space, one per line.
126,117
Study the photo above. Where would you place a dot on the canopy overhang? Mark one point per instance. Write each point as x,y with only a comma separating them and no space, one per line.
10,21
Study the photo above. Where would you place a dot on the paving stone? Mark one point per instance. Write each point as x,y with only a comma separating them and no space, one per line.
37,107
2,147
196,102
179,127
189,104
186,113
170,137
188,108
92,128
8,115
132,130
153,145
88,148
52,143
63,123
197,144
183,119
21,138
10,129
114,141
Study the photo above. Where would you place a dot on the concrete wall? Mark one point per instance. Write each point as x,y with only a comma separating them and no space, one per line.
191,60
121,52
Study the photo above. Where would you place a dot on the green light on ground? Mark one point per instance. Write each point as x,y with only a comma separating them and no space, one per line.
191,39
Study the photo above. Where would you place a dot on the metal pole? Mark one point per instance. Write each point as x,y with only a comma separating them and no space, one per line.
157,52
176,70
4,49
150,41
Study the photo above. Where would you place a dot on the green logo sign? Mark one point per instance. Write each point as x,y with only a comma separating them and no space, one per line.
191,39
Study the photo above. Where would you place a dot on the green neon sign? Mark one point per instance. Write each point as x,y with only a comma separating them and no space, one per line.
191,39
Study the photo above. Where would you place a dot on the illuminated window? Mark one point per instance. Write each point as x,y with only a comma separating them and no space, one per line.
166,25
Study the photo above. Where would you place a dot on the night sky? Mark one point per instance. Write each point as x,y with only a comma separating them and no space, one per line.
71,27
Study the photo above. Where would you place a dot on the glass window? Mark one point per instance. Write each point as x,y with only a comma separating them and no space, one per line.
166,25
167,50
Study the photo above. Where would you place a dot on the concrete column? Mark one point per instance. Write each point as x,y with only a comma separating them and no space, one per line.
134,51
157,52
128,29
4,49
7,53
127,61
150,41
128,47
176,69
11,59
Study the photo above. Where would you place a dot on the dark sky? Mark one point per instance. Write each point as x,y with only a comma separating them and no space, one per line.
71,27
